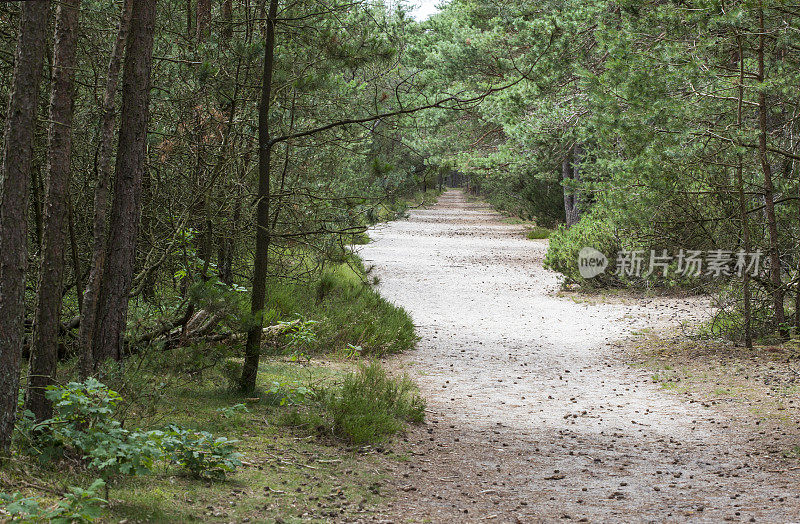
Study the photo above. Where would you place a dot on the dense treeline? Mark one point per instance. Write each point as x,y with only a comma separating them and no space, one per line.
669,126
163,157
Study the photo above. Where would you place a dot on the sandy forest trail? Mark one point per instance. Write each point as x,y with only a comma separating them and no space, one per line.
531,418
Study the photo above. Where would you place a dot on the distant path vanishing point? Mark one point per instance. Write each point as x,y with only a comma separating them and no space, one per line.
531,419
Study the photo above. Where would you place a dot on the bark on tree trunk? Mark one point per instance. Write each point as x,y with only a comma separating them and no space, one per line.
228,237
47,316
205,240
258,297
577,156
570,175
14,190
769,189
36,190
203,18
566,172
228,242
115,285
748,328
797,285
190,28
227,18
76,261
101,197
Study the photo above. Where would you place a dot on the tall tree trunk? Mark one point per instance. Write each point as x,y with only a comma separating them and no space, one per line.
748,328
228,235
566,173
76,260
101,196
14,190
227,19
47,316
115,285
577,156
258,297
190,28
36,191
203,18
769,189
205,240
227,243
570,174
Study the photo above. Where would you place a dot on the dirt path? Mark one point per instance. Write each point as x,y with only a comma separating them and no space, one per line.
531,418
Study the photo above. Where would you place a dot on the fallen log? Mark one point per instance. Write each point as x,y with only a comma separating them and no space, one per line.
198,329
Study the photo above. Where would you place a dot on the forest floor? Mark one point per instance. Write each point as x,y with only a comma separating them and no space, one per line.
545,406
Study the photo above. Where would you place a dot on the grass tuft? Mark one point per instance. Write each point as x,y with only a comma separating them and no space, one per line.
371,406
538,233
347,309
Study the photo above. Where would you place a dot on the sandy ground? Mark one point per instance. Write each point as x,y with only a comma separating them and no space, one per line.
532,417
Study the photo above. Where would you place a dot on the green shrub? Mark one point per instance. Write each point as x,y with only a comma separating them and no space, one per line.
231,370
728,319
282,393
527,196
84,423
566,243
204,455
372,406
229,303
78,505
88,404
299,336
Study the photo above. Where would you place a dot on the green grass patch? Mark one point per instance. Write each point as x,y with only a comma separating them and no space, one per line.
349,312
371,406
293,466
516,221
538,233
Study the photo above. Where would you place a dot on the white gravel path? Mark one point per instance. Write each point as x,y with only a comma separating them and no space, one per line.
531,418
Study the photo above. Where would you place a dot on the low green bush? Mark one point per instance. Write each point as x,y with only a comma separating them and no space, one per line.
371,406
728,320
287,393
78,505
566,243
527,196
204,455
601,234
83,424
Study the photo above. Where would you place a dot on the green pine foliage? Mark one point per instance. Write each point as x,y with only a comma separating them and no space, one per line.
566,243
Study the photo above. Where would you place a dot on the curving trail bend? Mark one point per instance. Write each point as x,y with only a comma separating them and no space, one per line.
531,418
